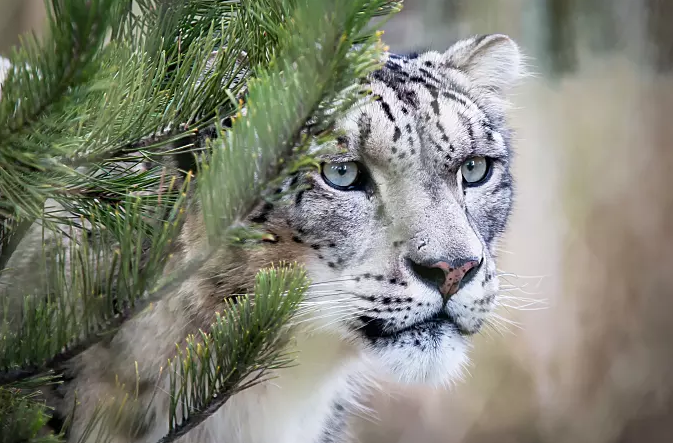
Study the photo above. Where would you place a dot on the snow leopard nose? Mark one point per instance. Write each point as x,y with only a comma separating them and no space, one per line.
447,277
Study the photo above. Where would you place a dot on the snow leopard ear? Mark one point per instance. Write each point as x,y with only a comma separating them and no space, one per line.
491,61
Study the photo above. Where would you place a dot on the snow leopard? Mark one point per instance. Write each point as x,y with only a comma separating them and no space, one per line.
398,233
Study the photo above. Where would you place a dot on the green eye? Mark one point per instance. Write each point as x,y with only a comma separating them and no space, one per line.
474,170
340,175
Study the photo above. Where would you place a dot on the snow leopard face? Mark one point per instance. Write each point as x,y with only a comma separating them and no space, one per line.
398,229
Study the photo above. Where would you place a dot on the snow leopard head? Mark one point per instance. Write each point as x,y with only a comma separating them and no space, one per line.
398,229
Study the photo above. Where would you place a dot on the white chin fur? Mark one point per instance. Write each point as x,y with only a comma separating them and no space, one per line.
436,357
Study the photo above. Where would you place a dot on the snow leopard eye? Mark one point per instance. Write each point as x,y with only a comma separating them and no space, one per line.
341,175
474,170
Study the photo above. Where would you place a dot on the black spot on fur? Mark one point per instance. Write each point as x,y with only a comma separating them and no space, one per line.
408,97
333,429
417,79
397,134
298,198
429,75
386,108
297,239
364,125
435,107
440,128
393,66
455,97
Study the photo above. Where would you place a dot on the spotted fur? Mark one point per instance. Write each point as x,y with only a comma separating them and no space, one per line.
370,311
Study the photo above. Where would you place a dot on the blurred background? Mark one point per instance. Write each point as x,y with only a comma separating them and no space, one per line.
589,236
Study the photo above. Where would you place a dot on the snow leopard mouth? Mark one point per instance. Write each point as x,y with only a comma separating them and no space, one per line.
376,328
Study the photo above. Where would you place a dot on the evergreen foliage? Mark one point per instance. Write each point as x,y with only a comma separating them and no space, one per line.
115,86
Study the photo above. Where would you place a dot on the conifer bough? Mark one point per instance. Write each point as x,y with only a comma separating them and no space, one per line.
112,87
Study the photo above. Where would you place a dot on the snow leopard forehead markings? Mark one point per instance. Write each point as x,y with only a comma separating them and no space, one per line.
424,120
422,105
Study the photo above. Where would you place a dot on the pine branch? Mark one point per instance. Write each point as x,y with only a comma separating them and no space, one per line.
23,414
60,62
94,295
167,74
240,349
135,94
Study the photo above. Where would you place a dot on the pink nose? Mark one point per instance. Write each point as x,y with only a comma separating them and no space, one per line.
455,275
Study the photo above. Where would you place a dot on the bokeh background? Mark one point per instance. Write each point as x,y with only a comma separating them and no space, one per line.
590,357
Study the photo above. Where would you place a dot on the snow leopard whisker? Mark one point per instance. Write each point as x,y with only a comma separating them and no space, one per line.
522,305
526,301
337,316
508,296
314,308
304,310
502,274
320,328
307,302
493,325
507,321
511,288
327,282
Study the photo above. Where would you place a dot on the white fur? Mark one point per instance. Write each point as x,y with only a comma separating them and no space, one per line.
293,407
